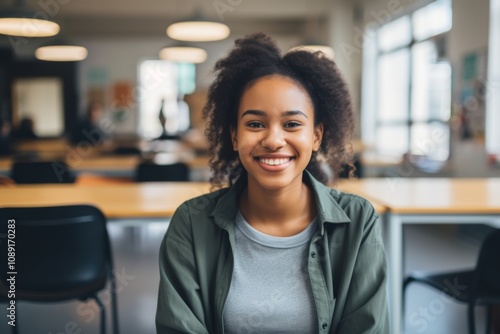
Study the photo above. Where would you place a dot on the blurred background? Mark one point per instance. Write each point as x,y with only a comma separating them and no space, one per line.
424,76
418,71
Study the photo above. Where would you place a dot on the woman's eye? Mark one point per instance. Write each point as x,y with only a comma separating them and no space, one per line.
254,124
292,124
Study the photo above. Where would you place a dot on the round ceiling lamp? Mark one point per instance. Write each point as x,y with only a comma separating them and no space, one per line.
23,22
325,49
198,30
61,50
183,54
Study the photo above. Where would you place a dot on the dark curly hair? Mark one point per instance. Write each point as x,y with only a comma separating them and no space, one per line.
256,56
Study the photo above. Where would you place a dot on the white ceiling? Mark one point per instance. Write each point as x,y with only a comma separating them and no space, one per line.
180,8
150,17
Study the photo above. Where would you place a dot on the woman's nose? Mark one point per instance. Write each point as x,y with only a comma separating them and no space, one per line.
273,139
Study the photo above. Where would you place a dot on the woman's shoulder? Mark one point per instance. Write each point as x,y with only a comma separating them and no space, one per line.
201,205
353,202
331,198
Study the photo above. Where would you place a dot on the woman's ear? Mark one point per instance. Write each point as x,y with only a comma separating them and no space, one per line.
234,138
318,136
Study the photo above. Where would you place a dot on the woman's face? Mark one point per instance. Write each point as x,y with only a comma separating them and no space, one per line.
275,134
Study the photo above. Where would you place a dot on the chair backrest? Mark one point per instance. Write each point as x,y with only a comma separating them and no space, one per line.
127,150
60,251
149,172
41,172
488,263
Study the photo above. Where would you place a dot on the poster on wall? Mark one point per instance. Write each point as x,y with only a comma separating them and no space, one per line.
473,95
122,100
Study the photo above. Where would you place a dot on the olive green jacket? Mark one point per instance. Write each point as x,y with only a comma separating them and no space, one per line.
347,266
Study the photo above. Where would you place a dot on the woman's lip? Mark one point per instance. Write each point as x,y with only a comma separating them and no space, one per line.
274,168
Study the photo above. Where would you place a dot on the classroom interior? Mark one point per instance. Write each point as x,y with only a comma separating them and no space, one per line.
122,129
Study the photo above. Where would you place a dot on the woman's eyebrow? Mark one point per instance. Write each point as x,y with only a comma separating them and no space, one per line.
283,114
253,112
294,113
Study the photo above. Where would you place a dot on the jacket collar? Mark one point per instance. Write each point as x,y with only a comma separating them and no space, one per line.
328,209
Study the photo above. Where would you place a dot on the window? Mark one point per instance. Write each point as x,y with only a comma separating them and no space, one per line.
162,86
407,85
41,100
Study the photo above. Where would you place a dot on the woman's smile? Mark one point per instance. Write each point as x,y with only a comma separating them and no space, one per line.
274,164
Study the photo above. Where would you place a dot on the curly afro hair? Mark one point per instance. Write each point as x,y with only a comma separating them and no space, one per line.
256,56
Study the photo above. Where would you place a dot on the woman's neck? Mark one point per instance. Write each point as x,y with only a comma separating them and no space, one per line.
282,212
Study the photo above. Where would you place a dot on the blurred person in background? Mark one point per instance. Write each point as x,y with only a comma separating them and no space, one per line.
25,130
88,129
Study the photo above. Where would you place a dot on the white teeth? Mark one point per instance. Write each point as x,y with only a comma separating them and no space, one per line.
274,162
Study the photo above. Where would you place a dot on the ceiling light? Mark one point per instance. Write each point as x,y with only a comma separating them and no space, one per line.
61,50
183,54
198,30
20,21
326,50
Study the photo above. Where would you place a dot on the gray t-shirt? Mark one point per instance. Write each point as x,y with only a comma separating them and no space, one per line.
270,289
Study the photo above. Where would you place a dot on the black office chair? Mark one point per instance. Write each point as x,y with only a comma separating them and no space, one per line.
61,253
150,172
41,172
479,286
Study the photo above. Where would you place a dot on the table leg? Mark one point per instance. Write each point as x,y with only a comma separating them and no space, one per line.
395,271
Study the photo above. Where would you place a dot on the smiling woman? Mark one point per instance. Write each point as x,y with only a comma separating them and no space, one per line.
277,251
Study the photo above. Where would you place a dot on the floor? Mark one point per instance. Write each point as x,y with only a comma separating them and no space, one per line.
136,249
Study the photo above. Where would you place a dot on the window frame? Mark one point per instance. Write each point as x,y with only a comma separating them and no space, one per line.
371,95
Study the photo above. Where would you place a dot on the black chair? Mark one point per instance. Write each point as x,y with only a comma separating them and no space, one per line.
41,172
127,150
61,253
479,286
150,172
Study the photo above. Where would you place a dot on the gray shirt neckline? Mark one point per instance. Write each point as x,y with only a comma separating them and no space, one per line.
273,241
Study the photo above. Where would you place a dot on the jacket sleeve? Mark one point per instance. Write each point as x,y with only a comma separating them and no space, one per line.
179,307
365,310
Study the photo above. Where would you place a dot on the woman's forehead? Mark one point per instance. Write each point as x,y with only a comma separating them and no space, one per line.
275,93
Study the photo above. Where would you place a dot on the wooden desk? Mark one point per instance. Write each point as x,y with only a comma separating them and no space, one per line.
135,200
426,201
41,145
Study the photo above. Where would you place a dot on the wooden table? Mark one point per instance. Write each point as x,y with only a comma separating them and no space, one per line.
134,200
426,201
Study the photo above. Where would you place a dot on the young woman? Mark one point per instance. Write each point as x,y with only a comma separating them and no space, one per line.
277,251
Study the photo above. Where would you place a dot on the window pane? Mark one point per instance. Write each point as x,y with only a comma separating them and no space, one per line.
432,19
157,84
431,140
395,34
41,100
431,84
162,85
393,81
392,139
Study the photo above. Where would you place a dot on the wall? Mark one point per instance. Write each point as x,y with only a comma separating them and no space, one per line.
469,34
342,27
